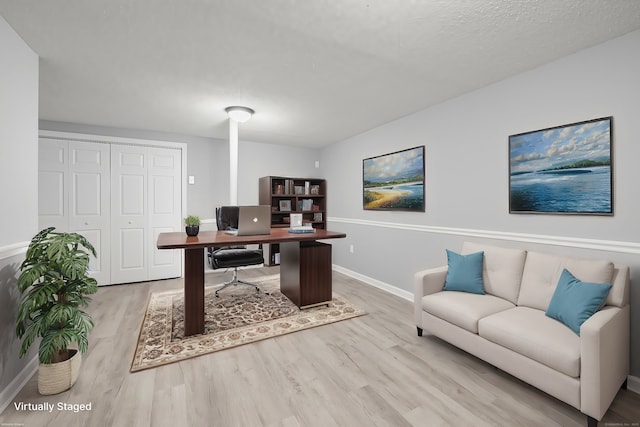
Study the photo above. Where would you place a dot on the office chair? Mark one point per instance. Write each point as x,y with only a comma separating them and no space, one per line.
232,256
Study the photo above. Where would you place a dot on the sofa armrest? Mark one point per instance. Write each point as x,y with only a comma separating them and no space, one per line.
604,355
426,282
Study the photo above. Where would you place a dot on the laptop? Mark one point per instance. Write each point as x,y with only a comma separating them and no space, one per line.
253,220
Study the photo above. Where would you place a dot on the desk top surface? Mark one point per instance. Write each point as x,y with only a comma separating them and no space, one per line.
204,239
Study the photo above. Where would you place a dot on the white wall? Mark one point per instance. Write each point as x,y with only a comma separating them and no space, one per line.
18,191
467,156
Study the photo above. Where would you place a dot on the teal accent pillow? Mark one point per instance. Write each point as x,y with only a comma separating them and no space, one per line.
464,273
574,301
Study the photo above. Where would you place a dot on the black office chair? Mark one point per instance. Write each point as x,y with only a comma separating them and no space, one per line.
232,256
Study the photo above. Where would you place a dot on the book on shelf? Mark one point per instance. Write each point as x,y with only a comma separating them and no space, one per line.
307,185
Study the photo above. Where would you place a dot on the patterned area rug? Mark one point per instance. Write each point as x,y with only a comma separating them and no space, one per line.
240,316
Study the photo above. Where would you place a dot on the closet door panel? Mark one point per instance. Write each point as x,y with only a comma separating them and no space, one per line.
52,181
89,201
129,223
165,185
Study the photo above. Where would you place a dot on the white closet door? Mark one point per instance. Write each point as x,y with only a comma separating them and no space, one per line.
89,200
129,248
53,176
165,185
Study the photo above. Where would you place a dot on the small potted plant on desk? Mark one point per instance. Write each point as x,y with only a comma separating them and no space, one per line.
54,285
192,225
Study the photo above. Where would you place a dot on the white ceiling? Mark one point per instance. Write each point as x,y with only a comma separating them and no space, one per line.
315,71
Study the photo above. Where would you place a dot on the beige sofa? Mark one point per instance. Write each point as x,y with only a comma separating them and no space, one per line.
507,327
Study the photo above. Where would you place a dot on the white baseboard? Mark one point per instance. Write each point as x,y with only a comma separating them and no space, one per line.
375,283
633,384
14,387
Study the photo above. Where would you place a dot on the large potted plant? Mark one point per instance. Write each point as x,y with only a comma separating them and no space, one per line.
54,284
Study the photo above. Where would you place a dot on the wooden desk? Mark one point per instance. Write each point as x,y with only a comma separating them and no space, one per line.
303,265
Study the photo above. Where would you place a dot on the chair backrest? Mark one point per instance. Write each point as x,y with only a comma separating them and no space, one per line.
227,217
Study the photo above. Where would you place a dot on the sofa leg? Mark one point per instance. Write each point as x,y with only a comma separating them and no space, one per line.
419,331
591,422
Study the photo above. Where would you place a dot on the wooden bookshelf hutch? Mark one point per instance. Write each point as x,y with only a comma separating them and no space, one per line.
306,196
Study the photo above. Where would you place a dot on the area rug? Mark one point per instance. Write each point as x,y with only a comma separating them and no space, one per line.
239,316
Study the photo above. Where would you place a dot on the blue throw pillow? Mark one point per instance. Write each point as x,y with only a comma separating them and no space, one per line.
464,273
574,301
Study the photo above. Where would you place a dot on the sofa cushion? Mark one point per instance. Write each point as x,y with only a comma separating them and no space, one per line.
529,332
464,273
542,272
574,301
463,309
502,269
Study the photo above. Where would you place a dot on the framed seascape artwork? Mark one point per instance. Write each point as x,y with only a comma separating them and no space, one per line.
394,181
562,170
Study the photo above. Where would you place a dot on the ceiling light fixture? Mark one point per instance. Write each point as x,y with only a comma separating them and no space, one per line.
239,114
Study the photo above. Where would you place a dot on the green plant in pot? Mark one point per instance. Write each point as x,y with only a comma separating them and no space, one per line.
54,284
192,225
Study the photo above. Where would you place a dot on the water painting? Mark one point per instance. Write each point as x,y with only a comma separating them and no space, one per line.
562,170
394,181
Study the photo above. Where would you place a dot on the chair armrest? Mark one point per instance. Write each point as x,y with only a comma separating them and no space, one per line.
604,356
426,282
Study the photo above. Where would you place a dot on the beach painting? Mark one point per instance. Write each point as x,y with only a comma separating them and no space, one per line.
562,170
394,181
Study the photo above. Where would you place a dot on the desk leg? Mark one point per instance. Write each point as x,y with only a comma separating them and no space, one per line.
193,291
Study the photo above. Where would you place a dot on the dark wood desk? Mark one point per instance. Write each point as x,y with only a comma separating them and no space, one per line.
303,266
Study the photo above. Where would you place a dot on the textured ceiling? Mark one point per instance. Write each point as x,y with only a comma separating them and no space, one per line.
315,71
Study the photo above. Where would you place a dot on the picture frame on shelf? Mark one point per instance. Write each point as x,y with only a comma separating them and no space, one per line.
562,170
295,219
285,205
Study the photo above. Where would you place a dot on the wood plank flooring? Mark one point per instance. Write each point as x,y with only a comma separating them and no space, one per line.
370,371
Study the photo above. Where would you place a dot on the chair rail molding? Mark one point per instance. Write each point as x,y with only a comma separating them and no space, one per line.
573,242
14,249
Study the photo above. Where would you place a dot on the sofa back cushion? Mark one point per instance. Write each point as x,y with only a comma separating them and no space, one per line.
502,269
542,272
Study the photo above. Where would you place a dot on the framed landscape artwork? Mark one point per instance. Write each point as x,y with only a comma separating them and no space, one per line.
394,181
562,170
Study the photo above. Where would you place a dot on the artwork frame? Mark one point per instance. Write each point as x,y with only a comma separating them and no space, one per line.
284,205
395,181
563,170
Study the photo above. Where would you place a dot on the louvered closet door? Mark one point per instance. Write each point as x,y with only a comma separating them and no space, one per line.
129,249
165,196
89,199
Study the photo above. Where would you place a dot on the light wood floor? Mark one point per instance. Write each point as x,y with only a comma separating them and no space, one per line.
370,371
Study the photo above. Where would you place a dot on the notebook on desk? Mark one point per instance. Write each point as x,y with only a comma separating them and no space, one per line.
252,220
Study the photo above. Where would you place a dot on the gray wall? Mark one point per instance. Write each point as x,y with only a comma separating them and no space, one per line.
19,188
466,143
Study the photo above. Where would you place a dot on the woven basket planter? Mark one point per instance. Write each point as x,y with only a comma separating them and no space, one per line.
57,377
